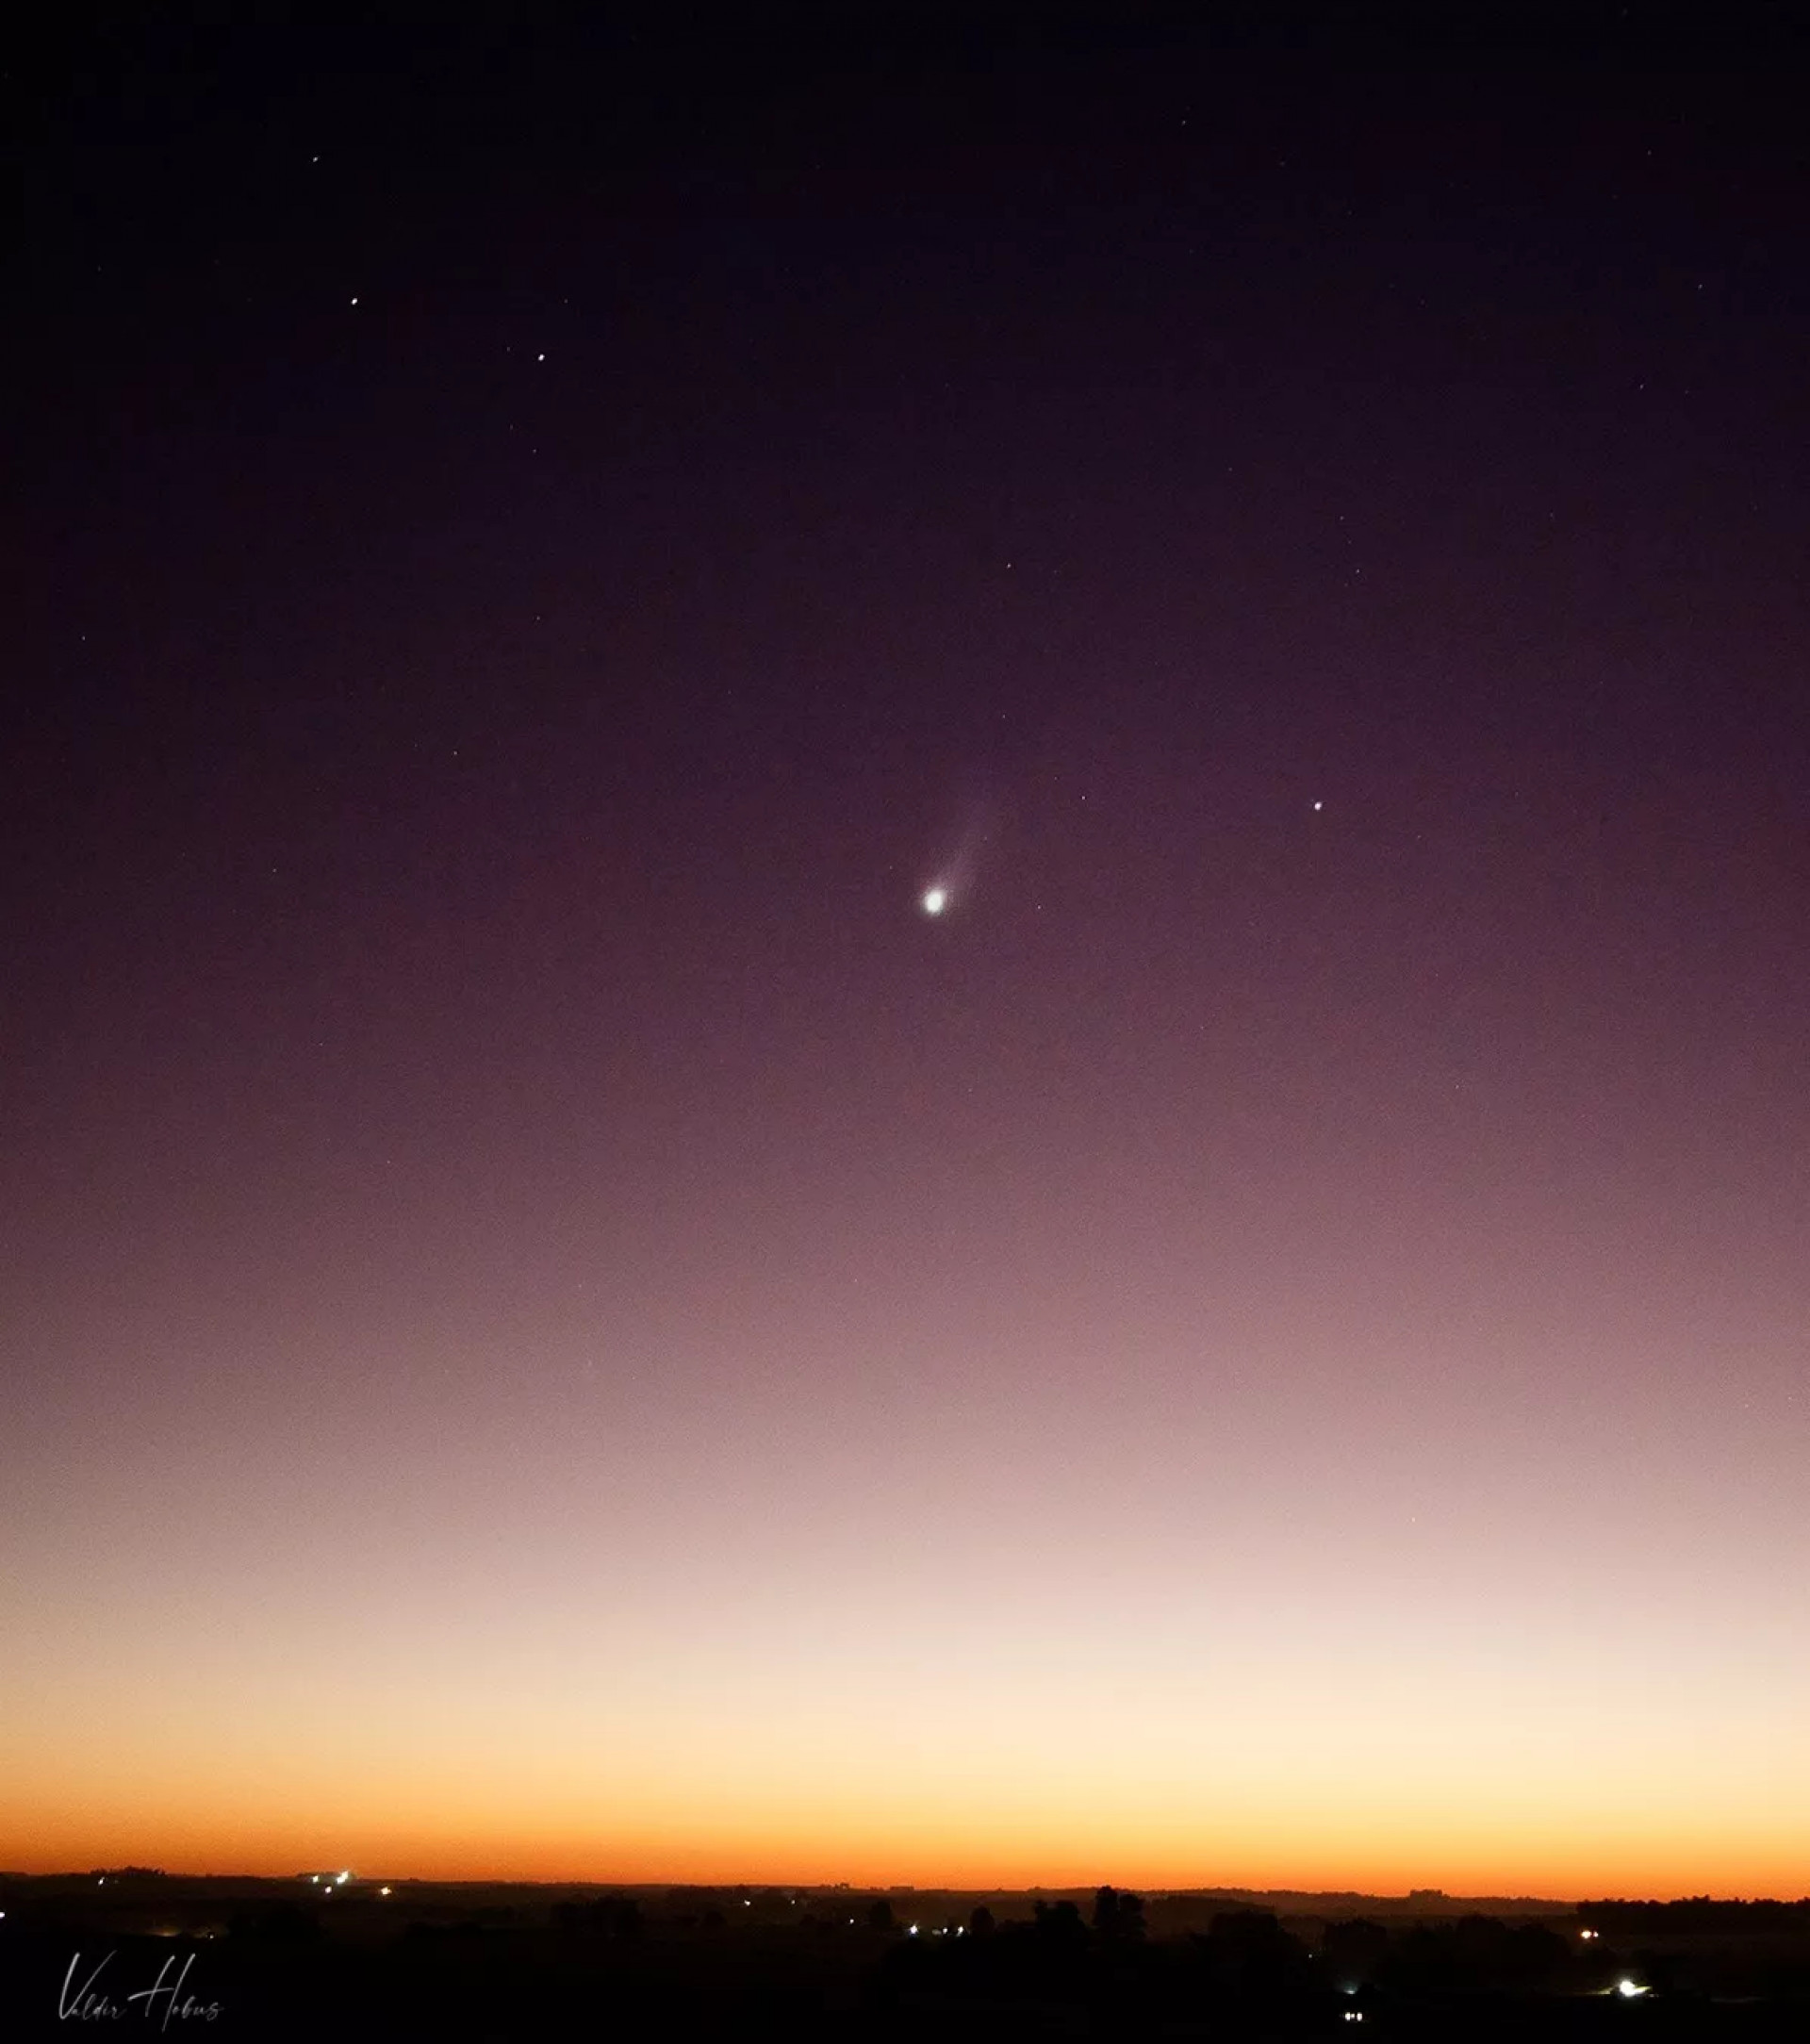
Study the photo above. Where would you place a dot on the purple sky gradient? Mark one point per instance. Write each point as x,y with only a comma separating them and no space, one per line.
1269,1340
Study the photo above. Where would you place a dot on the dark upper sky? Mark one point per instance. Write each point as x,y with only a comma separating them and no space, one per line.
527,555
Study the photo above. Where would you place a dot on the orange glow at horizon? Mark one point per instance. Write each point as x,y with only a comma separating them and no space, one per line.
433,1847
1063,1778
906,1652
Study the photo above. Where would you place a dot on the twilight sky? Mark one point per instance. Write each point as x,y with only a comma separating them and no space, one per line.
551,1321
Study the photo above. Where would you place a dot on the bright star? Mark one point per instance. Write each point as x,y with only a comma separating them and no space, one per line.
935,901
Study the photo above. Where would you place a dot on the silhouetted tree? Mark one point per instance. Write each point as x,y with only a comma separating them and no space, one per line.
1059,1928
1251,1952
879,1917
610,1916
1353,1951
980,1922
1537,1956
1117,1914
1421,1961
1478,1941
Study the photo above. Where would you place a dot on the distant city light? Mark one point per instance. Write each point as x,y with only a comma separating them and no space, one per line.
1628,1989
344,1878
913,1930
382,1891
1586,1936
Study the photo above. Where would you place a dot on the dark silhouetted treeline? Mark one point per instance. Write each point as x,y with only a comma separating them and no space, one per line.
288,1960
1696,1916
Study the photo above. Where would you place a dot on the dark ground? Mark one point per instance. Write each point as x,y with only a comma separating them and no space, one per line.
274,1960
